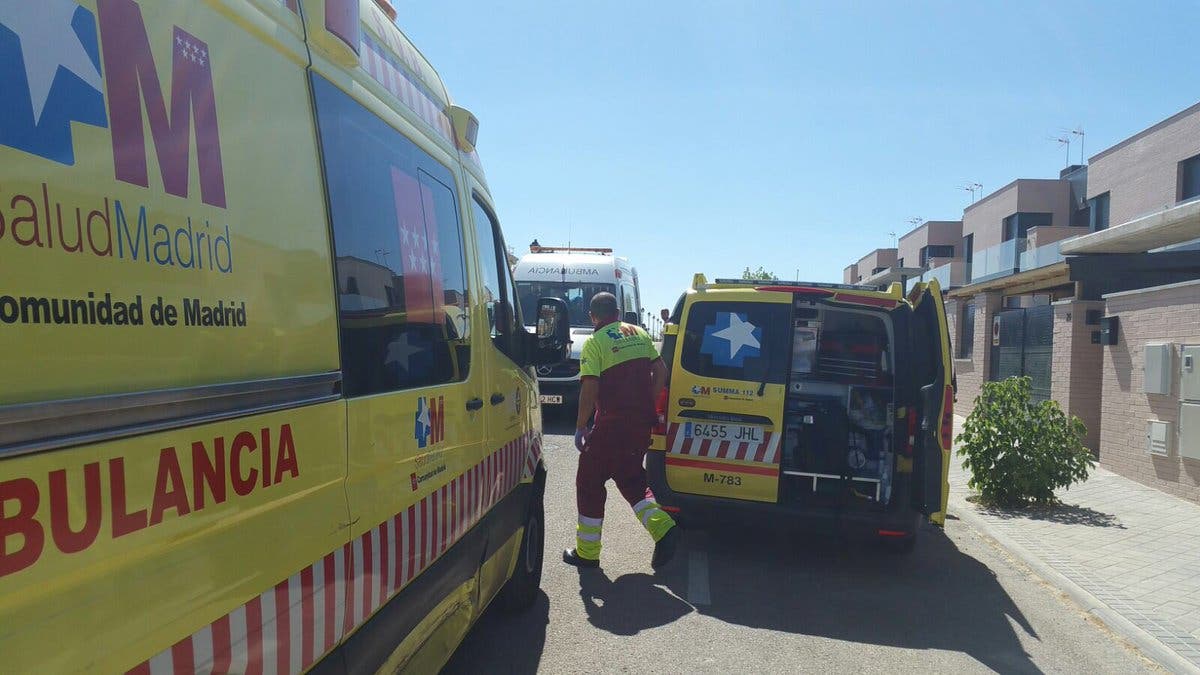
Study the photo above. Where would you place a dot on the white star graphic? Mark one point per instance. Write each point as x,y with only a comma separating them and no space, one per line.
401,350
739,334
423,417
47,42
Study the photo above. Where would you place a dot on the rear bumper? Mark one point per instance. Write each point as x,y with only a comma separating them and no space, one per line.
698,509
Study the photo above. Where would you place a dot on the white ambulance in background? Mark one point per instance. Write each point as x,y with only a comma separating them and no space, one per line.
574,274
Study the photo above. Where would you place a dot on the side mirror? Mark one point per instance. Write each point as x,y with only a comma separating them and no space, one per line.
633,318
553,332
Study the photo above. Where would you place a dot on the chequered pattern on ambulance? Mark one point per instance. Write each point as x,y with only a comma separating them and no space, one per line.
766,452
291,626
388,72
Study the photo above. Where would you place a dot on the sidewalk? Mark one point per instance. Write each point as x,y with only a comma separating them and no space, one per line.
1125,552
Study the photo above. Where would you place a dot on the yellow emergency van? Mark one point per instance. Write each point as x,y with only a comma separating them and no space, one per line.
268,400
817,405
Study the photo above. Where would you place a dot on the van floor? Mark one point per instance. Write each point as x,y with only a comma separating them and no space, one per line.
740,600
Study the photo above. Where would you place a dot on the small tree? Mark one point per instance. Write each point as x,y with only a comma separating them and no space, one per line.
1018,451
758,275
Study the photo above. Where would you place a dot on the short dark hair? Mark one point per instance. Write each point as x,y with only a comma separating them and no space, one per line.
604,306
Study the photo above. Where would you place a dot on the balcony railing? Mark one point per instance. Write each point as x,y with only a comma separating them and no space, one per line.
949,275
998,261
1043,255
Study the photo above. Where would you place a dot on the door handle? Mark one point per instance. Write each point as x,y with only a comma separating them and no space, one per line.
474,404
497,398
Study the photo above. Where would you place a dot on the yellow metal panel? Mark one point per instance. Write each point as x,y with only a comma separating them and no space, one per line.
131,545
722,478
250,236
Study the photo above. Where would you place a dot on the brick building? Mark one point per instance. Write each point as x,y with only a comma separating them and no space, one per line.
1074,281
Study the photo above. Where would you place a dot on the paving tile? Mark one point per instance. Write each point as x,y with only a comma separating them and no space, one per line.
1145,564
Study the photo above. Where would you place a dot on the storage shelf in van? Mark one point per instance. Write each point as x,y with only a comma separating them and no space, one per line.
815,476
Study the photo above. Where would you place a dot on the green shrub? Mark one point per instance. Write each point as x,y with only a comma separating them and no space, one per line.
1019,451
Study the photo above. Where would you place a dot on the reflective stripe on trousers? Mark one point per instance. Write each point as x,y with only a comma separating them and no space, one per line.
656,521
587,537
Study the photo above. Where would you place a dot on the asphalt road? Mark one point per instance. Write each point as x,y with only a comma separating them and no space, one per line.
755,601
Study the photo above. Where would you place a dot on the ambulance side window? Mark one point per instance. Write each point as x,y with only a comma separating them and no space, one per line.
402,292
504,317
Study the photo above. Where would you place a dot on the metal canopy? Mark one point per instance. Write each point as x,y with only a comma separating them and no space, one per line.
1173,225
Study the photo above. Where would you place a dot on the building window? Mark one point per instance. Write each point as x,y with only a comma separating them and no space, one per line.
936,251
966,331
877,270
968,248
401,280
1017,225
1098,213
1189,178
900,262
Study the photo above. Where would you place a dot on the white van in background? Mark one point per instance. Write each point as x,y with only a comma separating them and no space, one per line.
574,274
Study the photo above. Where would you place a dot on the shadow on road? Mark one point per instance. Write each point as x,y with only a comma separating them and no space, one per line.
521,653
935,598
628,605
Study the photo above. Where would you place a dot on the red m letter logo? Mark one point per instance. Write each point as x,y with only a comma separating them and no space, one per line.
130,75
437,419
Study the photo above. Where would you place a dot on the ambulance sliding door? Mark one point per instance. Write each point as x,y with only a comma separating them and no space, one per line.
412,381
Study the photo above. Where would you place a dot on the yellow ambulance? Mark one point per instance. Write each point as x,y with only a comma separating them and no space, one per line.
816,405
268,402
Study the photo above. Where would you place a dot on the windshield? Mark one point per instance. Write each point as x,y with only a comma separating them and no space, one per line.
577,295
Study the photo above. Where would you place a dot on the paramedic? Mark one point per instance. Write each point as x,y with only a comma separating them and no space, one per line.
621,375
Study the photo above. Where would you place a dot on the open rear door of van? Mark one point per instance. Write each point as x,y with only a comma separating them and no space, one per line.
933,380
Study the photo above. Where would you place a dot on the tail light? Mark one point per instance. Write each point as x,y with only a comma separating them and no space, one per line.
660,411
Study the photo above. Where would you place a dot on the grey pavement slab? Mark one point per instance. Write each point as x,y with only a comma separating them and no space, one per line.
1133,550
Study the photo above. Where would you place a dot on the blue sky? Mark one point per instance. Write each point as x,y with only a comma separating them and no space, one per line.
711,136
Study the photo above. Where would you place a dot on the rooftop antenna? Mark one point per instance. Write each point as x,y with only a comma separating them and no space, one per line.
894,242
1078,131
972,188
1064,141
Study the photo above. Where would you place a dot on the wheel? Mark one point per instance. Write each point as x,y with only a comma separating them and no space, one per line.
521,589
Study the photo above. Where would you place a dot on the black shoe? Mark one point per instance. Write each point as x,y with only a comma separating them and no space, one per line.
664,550
572,558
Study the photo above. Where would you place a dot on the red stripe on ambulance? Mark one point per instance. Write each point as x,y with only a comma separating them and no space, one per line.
293,624
766,452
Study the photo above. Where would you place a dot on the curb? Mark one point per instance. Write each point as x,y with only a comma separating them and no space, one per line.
1147,643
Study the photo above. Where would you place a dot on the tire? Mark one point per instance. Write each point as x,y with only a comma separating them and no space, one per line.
520,591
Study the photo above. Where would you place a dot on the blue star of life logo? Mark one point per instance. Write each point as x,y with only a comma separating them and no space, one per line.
421,425
731,340
49,75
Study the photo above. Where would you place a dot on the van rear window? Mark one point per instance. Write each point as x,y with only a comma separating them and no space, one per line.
737,341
